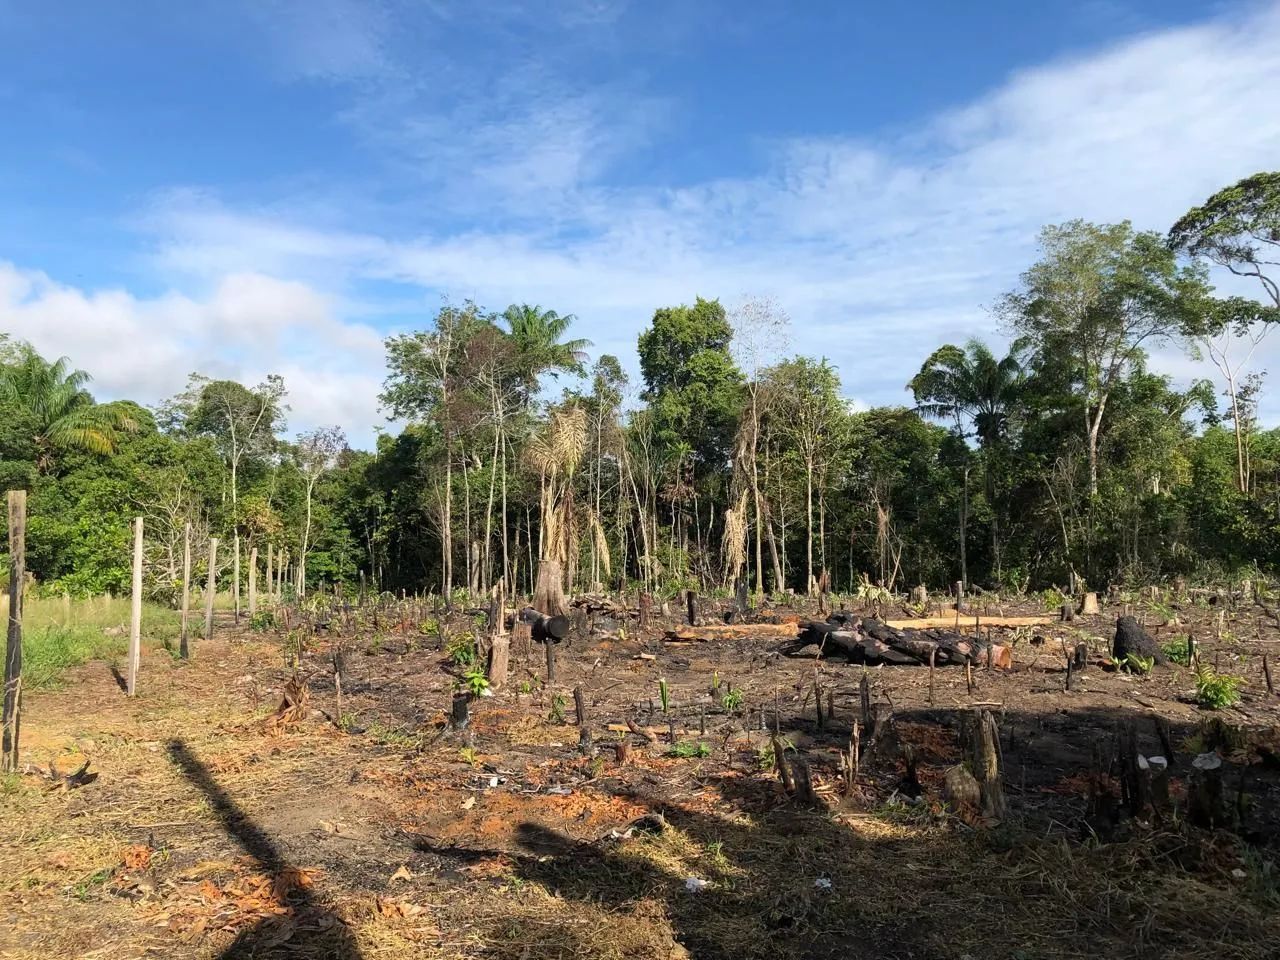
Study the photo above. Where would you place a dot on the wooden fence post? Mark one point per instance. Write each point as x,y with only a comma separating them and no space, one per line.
253,581
186,590
235,578
135,612
211,588
13,643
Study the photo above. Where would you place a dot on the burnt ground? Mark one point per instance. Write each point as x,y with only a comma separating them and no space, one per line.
374,830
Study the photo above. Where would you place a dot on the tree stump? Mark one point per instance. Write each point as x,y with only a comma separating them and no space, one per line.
1089,605
1068,611
986,765
548,593
499,659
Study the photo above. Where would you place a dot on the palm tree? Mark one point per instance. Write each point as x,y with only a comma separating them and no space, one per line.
971,384
537,334
52,403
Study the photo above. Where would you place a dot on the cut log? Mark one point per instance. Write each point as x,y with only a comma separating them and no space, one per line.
736,631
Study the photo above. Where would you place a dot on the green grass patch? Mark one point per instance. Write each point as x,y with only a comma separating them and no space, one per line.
58,635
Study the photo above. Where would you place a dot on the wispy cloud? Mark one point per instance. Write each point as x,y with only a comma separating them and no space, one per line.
879,246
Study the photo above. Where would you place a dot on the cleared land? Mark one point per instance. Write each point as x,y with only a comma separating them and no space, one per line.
371,828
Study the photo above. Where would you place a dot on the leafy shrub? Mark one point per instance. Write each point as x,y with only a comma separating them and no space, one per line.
461,650
1136,663
1217,690
1178,650
262,620
475,681
732,700
686,750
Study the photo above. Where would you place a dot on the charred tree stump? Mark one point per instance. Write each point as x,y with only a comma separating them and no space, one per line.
460,714
691,602
579,706
1206,804
1131,639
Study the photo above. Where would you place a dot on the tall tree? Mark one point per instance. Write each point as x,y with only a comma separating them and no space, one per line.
811,416
537,335
423,385
1238,228
241,421
56,413
315,453
1098,294
972,388
759,328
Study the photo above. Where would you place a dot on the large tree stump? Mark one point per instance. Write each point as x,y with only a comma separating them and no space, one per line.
499,658
1130,638
1089,605
986,765
548,593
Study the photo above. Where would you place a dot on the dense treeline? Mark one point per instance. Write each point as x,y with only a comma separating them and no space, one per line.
1065,455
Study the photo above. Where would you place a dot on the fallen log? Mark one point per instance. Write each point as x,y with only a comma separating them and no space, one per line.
871,641
736,631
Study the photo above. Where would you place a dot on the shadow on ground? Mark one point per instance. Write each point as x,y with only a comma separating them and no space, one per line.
311,929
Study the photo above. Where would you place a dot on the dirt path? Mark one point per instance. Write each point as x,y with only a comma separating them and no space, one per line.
207,835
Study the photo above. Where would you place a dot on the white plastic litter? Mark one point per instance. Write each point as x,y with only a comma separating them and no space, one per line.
822,883
695,885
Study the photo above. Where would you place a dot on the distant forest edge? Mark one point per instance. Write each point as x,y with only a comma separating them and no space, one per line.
1064,456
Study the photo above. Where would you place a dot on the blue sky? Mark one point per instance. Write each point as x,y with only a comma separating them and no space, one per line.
251,187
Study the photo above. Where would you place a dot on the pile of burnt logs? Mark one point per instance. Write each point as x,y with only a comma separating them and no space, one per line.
868,640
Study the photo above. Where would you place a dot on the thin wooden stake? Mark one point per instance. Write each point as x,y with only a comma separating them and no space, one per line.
210,588
186,591
135,612
933,656
12,711
253,581
1266,673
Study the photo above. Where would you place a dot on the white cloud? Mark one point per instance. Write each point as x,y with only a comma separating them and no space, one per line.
250,325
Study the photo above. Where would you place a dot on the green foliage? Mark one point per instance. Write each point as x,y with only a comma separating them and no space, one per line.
461,649
1136,663
1217,690
766,760
1052,599
558,704
1178,650
664,694
687,750
732,700
263,619
1237,228
475,681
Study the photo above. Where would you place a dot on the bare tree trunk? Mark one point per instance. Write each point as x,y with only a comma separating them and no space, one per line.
810,582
